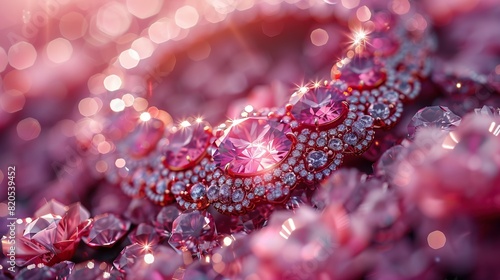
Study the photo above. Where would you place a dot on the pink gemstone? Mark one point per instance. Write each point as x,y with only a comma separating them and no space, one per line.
252,145
360,73
433,116
191,230
105,230
144,234
51,238
186,146
144,138
165,219
321,105
129,256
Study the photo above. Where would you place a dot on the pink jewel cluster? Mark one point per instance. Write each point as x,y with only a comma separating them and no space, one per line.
263,155
330,180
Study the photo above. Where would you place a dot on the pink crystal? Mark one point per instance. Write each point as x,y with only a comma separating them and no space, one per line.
144,234
252,145
434,116
144,138
191,230
105,230
129,256
321,105
360,73
165,219
186,145
50,238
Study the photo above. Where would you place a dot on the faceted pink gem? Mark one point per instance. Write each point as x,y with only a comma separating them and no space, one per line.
433,116
129,256
165,219
50,238
144,138
186,146
360,73
317,105
144,234
105,230
252,145
191,230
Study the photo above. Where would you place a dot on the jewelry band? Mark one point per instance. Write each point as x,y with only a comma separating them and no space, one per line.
262,156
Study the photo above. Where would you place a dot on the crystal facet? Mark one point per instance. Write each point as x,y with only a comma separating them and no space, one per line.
252,145
144,138
317,159
192,229
379,111
186,146
318,105
434,116
105,230
362,72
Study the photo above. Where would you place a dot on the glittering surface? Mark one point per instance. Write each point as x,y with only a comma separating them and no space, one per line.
110,107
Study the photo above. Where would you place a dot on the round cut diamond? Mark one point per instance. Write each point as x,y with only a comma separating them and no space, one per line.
434,116
186,146
238,196
335,144
197,191
252,145
379,111
317,105
317,159
351,139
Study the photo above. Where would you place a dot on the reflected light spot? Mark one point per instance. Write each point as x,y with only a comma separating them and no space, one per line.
88,107
400,7
129,59
73,25
101,166
22,55
149,258
363,14
227,241
128,99
112,82
59,50
144,47
145,117
186,17
319,37
350,4
120,162
117,105
113,19
163,30
185,124
104,147
90,265
12,101
144,8
28,129
140,104
436,239
248,108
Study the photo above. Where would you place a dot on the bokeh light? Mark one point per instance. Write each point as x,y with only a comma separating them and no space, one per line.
22,55
28,129
59,50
